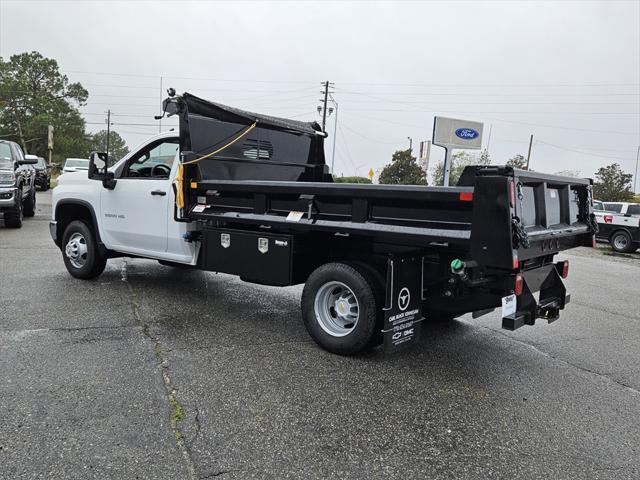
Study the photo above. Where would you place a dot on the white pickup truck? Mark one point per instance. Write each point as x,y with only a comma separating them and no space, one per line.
136,219
618,224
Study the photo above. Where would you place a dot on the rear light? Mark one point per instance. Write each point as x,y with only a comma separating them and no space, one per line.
564,269
518,286
512,194
515,262
466,196
607,218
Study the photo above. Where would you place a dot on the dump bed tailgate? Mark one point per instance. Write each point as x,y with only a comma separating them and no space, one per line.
520,215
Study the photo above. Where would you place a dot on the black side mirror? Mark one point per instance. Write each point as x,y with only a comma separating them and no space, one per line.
109,181
98,162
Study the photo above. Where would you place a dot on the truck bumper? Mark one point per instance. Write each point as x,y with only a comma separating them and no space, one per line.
7,197
53,230
553,298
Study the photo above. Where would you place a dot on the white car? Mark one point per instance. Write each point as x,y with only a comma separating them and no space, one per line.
75,165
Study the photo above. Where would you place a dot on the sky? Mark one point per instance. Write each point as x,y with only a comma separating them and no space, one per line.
567,72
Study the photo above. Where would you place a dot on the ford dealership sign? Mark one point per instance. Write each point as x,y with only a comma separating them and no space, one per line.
467,133
455,133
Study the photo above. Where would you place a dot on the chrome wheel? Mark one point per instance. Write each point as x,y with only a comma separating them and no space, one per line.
76,250
620,242
336,308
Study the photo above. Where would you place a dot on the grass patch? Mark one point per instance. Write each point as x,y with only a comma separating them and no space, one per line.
177,414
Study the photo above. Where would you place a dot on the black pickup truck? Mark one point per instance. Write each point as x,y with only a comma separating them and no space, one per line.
17,184
376,260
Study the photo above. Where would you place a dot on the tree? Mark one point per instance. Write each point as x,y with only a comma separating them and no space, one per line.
612,184
459,161
33,95
403,170
568,173
518,161
117,146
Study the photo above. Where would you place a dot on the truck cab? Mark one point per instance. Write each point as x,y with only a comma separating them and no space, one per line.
135,216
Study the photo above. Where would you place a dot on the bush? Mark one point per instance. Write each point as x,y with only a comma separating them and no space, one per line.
351,180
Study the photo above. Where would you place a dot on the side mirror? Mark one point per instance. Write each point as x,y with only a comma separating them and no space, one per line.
98,162
28,160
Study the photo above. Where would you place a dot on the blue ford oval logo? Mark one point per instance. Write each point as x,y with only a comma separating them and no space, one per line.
466,133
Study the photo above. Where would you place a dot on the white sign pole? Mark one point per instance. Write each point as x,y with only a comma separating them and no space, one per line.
447,167
450,133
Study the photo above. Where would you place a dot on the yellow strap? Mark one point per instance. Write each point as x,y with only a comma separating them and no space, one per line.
242,134
179,181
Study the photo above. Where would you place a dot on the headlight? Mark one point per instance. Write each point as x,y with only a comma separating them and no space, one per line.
7,178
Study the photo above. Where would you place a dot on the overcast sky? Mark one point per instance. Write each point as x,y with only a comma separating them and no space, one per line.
566,71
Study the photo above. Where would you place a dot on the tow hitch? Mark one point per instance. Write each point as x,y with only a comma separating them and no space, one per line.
553,297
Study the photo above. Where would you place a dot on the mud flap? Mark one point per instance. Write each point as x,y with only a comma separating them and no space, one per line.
403,302
553,298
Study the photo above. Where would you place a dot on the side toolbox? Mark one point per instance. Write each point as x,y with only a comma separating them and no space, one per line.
258,257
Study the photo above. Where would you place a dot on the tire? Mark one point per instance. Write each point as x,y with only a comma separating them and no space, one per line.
80,251
13,218
340,309
29,207
621,242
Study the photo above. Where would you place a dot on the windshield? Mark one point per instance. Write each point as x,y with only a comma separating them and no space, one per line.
5,155
41,163
77,162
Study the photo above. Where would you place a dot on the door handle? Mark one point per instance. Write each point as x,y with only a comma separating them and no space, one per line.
162,193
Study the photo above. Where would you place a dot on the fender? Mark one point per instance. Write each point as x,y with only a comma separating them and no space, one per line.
96,229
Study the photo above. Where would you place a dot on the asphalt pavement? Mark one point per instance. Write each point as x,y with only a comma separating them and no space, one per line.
155,372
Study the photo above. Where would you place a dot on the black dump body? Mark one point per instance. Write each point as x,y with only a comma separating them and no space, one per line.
499,221
277,149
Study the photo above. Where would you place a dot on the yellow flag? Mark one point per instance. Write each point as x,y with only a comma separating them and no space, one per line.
371,174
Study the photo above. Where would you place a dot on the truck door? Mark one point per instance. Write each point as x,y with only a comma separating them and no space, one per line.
134,213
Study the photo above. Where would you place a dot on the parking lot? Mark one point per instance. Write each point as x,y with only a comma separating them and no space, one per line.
157,372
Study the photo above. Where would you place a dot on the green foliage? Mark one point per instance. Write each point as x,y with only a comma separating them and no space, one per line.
351,180
459,161
518,161
403,170
35,94
117,146
612,184
568,173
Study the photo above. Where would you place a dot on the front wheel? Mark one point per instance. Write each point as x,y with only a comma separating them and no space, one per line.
30,203
339,309
80,251
621,242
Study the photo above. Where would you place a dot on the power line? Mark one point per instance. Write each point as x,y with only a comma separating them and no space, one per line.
581,151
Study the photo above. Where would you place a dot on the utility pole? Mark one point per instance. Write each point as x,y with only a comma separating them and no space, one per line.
323,108
635,178
529,152
335,133
108,131
410,145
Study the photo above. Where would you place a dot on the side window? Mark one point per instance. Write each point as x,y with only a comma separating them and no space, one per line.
153,162
633,209
17,152
613,207
598,206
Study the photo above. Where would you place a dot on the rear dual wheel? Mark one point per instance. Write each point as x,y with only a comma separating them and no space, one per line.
341,308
